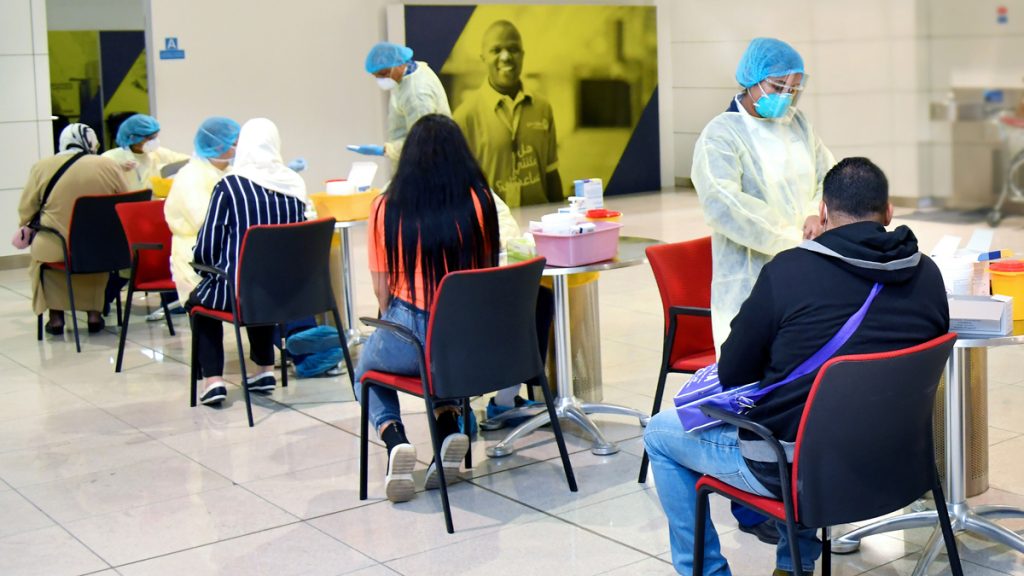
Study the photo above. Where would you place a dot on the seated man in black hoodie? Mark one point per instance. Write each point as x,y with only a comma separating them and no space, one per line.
800,301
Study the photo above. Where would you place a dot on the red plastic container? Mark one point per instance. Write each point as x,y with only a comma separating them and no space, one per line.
577,250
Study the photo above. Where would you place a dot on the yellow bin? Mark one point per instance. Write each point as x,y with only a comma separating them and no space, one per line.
161,186
1008,280
344,207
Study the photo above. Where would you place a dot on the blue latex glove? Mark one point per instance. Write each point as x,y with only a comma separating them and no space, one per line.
299,164
367,149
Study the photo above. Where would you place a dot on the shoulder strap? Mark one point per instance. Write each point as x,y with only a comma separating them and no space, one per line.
53,182
827,351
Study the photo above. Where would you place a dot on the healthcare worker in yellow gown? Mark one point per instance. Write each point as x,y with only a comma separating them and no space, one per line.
189,198
139,152
758,169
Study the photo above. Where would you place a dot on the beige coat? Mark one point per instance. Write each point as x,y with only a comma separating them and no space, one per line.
90,175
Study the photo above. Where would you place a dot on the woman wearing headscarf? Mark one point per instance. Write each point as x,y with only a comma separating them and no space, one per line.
139,152
189,198
89,175
259,189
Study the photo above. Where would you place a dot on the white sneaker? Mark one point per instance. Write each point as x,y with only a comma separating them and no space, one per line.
453,450
156,316
398,484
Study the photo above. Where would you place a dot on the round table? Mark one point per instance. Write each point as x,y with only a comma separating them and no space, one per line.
353,335
961,515
567,406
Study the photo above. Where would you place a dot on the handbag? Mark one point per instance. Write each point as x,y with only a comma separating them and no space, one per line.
704,388
25,234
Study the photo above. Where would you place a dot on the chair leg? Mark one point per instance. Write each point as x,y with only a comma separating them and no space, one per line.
794,548
465,426
241,365
556,427
826,551
659,391
435,440
343,341
167,312
700,519
194,372
119,315
39,327
947,529
74,318
364,416
124,328
284,357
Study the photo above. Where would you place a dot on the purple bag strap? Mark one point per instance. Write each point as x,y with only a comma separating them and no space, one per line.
827,351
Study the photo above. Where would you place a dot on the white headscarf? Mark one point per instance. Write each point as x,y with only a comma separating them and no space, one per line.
258,158
75,138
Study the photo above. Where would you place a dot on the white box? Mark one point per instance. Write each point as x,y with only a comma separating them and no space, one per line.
981,315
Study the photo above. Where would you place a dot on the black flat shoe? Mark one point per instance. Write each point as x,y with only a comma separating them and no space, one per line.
54,329
95,327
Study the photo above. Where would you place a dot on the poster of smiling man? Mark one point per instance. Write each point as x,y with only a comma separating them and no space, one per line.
548,94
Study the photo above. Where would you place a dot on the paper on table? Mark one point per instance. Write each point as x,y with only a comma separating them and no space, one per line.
362,173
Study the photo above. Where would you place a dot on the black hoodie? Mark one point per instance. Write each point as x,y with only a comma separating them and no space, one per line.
802,298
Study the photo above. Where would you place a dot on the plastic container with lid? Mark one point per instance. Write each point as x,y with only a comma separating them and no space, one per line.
1008,280
579,249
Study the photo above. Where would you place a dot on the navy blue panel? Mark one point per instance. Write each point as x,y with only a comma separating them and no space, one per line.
431,31
118,53
639,169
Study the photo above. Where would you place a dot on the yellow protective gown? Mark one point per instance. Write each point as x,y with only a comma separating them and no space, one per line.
147,165
758,180
185,210
418,94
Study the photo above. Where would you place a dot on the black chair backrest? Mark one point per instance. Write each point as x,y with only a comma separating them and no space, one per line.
96,240
284,272
482,334
865,447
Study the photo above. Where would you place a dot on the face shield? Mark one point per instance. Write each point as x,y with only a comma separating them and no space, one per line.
790,84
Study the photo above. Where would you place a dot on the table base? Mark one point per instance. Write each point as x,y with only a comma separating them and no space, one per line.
566,408
963,519
355,337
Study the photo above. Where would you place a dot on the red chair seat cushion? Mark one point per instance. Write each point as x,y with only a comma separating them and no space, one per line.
157,286
770,506
212,313
693,362
410,384
54,265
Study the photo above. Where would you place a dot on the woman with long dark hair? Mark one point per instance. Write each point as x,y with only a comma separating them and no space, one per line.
437,216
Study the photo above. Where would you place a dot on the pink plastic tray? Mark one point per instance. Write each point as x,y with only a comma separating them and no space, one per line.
599,245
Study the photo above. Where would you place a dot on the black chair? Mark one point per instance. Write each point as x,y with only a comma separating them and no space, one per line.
864,448
95,243
481,337
283,276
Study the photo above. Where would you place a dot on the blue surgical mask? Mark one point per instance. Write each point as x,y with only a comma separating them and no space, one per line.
773,105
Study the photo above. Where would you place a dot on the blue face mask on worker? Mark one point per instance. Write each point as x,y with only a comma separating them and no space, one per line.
772,104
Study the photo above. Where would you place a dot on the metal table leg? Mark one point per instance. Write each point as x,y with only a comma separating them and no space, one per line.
353,335
961,516
567,406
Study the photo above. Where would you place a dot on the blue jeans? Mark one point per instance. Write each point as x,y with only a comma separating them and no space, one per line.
386,352
678,459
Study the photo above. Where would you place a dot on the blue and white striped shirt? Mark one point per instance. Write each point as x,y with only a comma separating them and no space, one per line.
236,204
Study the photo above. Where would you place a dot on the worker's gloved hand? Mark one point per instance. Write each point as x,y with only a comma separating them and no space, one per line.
298,164
367,149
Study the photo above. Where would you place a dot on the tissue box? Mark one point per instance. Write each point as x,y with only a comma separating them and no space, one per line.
344,207
592,190
981,315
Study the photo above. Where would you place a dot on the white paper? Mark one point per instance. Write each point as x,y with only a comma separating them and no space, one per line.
362,173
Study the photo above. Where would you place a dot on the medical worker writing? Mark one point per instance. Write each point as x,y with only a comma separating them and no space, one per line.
758,169
415,91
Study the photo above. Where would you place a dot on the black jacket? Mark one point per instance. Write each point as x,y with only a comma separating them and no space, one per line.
803,297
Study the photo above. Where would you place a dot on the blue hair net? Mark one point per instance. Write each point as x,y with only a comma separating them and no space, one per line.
766,58
135,129
215,136
386,55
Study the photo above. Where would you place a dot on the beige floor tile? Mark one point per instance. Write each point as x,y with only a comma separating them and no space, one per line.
175,525
635,519
295,550
18,515
1006,469
648,567
322,490
46,552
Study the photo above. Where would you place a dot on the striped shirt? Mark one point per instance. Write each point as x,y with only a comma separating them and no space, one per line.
236,204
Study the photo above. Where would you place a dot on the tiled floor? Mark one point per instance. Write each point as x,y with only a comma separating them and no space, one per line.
104,473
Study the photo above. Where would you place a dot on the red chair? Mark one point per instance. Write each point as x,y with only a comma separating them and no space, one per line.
283,275
481,337
95,243
683,273
864,448
150,241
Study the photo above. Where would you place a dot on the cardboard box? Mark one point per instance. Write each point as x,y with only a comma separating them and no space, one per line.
981,315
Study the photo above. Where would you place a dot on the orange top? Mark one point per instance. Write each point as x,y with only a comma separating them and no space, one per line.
378,257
